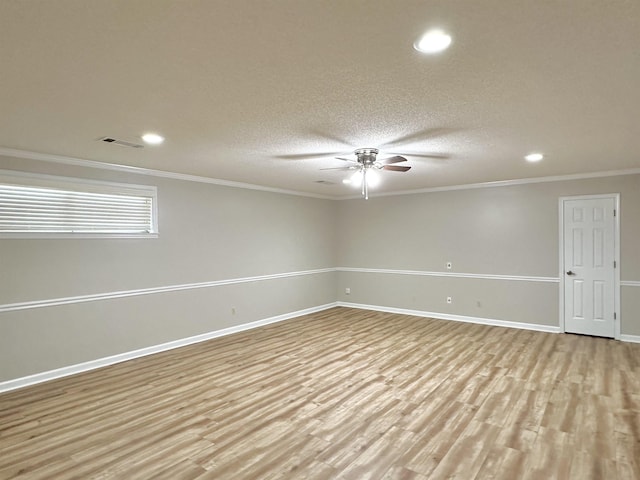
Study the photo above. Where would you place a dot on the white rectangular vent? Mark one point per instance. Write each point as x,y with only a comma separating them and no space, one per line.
122,143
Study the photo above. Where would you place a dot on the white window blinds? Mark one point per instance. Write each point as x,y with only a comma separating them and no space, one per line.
33,205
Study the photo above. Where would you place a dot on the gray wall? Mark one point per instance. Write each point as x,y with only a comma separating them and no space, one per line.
496,231
207,233
210,233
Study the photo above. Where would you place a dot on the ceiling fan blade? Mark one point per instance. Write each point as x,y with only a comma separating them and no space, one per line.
319,133
390,160
339,168
347,159
437,156
395,168
422,135
307,156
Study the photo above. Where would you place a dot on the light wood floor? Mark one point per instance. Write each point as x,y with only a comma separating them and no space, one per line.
346,394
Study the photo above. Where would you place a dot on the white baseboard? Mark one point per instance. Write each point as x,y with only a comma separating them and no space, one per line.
456,318
630,338
123,357
477,320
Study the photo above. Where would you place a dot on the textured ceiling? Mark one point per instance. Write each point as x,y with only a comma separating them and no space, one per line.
266,92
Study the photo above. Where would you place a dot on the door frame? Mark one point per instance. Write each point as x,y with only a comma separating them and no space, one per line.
616,256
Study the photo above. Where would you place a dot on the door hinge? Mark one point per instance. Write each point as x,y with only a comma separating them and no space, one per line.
614,316
615,264
614,212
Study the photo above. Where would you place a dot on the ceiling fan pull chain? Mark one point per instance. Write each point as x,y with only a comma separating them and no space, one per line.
364,181
365,185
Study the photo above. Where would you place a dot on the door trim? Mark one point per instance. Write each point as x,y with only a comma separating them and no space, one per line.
616,256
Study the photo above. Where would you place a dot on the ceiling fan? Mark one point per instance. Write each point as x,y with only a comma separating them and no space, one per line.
366,165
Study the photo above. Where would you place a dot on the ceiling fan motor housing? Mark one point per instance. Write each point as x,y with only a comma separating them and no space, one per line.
366,156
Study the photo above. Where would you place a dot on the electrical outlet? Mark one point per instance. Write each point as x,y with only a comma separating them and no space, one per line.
448,265
347,291
449,300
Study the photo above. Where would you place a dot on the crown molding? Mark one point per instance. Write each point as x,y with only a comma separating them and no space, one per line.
504,183
81,162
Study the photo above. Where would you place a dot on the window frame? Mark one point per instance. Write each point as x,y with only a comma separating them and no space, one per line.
28,179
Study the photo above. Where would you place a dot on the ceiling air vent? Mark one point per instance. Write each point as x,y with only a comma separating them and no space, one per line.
122,143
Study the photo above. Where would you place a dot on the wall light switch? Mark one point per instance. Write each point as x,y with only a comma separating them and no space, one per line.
347,291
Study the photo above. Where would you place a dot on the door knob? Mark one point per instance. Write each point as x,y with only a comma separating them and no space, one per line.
570,273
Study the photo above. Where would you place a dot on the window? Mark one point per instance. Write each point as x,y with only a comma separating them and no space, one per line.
43,206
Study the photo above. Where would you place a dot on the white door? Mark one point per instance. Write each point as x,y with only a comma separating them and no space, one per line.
589,269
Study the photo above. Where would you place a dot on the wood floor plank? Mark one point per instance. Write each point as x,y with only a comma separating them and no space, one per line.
467,455
342,393
551,455
502,462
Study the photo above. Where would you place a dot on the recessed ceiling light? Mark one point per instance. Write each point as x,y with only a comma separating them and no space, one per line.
534,157
433,41
153,138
